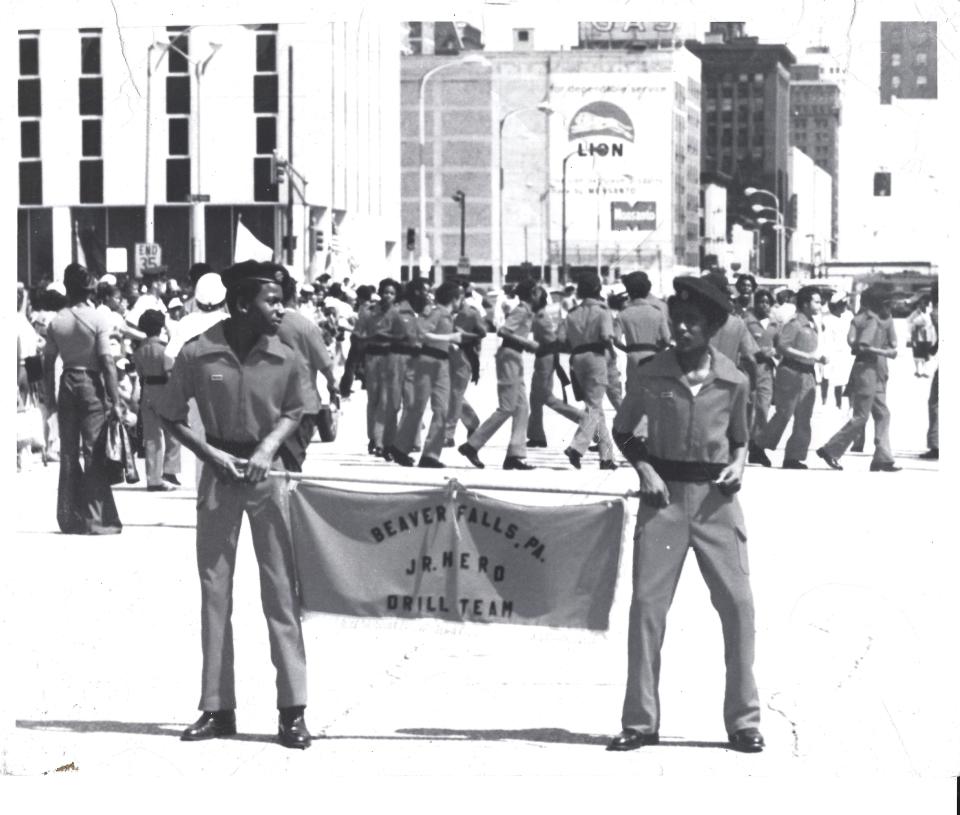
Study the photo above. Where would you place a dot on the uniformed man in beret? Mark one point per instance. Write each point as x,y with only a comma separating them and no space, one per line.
249,391
645,327
873,341
688,484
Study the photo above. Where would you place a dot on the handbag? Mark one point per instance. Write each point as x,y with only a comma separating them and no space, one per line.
119,459
327,421
29,424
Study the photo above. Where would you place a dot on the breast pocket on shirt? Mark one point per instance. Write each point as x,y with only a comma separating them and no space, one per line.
663,422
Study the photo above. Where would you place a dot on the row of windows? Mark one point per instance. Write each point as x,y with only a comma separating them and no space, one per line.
896,82
90,97
265,101
28,109
920,58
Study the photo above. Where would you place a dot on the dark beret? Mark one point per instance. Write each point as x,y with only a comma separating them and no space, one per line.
151,321
702,291
806,292
634,277
265,271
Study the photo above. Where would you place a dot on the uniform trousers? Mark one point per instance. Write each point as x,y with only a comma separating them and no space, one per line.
591,372
220,508
933,413
396,396
614,385
794,397
700,517
431,383
374,382
85,504
762,398
512,404
459,409
868,397
161,451
541,395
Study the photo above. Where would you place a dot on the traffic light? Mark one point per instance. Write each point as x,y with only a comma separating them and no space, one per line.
318,241
881,184
411,239
278,168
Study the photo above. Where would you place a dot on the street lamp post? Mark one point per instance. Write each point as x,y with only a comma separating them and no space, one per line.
545,108
471,59
461,198
780,263
563,215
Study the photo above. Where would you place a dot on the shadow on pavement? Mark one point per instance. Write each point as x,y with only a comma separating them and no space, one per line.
130,728
548,735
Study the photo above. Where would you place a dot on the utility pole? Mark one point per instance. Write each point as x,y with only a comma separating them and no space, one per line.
289,237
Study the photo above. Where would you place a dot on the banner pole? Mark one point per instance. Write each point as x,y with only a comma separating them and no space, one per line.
448,480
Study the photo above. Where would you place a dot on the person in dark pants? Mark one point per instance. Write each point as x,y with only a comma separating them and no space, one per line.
764,332
873,341
795,385
88,393
933,402
464,364
249,390
690,468
645,327
353,365
371,330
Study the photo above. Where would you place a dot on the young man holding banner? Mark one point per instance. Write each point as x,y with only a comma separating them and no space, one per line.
248,387
690,467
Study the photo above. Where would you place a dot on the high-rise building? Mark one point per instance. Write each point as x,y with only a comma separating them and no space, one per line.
908,60
815,121
745,126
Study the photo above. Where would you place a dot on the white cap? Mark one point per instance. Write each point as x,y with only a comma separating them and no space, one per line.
58,287
172,285
175,302
209,290
307,288
108,278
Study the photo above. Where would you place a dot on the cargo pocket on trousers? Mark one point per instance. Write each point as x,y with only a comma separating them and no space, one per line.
740,538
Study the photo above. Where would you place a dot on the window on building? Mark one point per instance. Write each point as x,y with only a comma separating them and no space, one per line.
895,59
30,139
177,54
91,181
523,35
267,53
920,58
178,179
29,56
921,80
28,97
744,78
726,105
91,139
265,93
178,94
89,55
263,187
266,134
31,182
178,136
758,79
895,82
91,96
882,184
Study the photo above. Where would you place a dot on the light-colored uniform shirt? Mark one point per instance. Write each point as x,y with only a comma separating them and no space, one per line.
590,322
644,324
80,336
306,338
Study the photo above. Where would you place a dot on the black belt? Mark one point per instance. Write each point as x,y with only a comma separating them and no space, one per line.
516,345
91,371
640,346
692,471
156,380
407,350
240,449
436,353
548,349
376,350
796,365
590,348
864,356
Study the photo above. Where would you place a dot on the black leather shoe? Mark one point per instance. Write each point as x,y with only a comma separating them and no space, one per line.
516,463
371,447
400,457
933,454
609,464
430,461
471,455
574,457
536,442
377,451
212,724
884,467
831,461
747,740
292,729
757,455
632,740
386,454
172,479
793,464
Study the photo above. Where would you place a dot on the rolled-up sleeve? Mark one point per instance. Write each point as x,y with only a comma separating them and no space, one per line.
293,403
738,430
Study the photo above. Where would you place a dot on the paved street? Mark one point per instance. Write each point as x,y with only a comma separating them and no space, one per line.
855,610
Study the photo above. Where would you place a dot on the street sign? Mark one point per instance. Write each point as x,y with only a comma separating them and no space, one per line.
463,266
148,256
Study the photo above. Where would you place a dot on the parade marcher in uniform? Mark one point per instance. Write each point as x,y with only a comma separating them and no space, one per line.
305,337
645,327
353,364
614,389
511,393
88,391
872,340
249,389
588,333
371,329
690,468
933,401
464,362
764,332
161,449
795,384
546,325
401,331
430,372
